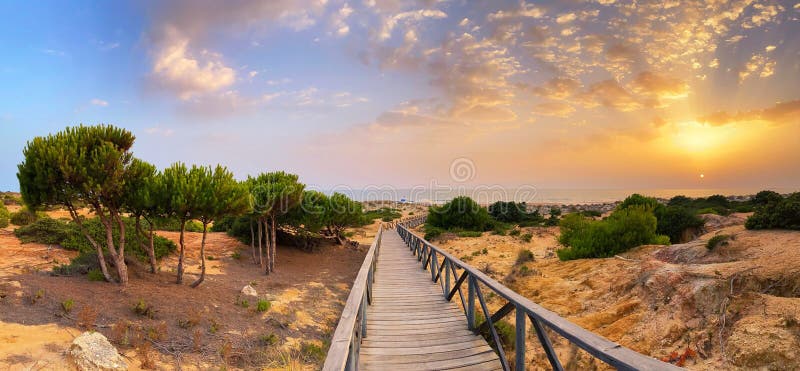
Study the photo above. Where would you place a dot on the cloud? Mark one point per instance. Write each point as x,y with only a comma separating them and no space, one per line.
608,93
780,113
566,18
557,88
159,131
98,102
389,23
339,20
187,75
659,87
558,109
525,10
759,65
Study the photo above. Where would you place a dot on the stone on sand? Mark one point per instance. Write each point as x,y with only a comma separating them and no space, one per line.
91,351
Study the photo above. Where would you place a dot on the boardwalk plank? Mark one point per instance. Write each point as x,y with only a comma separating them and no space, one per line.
410,326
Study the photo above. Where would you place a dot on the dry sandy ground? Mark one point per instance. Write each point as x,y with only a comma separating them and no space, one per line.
737,307
307,293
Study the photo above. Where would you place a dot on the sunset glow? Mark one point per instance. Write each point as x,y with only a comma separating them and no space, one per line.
550,94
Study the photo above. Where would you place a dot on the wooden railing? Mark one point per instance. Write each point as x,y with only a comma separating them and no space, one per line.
410,221
352,327
444,267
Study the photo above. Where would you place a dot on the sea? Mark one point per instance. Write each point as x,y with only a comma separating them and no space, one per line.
531,195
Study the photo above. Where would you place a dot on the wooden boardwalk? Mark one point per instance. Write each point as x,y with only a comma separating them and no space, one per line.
410,325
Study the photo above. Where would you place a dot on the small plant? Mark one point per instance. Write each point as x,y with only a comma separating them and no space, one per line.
469,234
67,305
524,256
236,255
143,309
526,237
244,303
476,253
36,296
266,340
263,305
484,251
312,353
514,232
718,240
211,257
146,356
465,258
95,275
157,332
119,332
214,326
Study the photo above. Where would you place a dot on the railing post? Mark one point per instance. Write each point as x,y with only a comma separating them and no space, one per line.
434,264
446,277
519,345
471,302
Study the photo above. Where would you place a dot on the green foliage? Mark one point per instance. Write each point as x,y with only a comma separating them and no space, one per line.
67,305
311,352
505,331
386,214
75,240
266,340
46,231
514,232
526,237
173,224
4,216
25,216
718,240
95,275
143,309
469,234
674,220
461,213
263,305
626,228
764,198
777,214
432,232
644,202
553,219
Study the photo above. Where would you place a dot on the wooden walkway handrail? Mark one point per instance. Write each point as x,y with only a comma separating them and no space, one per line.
607,351
352,327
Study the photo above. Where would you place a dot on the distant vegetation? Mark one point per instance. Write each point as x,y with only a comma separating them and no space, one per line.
385,214
459,215
4,216
627,227
773,211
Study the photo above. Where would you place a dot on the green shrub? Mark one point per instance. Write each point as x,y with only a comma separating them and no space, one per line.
385,214
4,216
236,255
469,234
626,228
432,232
526,237
263,305
75,240
95,275
764,198
673,221
514,232
777,214
143,309
553,219
25,216
505,331
311,352
174,225
67,305
266,340
460,213
46,231
718,240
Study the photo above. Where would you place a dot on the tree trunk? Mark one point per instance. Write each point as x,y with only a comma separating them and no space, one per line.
260,256
273,246
108,223
100,257
253,241
152,250
202,258
122,268
268,242
151,254
180,257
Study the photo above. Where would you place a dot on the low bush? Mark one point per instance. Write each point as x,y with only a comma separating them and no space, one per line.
311,352
46,231
673,221
4,216
505,331
526,237
385,214
718,240
524,256
514,232
143,309
67,305
95,275
469,234
25,216
626,228
781,213
461,213
263,305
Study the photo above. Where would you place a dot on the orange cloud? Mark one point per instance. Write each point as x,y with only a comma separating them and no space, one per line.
780,113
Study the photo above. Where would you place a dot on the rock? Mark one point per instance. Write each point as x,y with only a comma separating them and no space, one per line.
249,291
91,351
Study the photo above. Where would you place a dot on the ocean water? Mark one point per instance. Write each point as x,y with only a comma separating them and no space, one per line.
485,195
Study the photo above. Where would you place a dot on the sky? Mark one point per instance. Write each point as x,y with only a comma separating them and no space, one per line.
596,94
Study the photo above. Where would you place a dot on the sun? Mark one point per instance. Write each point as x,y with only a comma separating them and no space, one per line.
702,176
695,137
